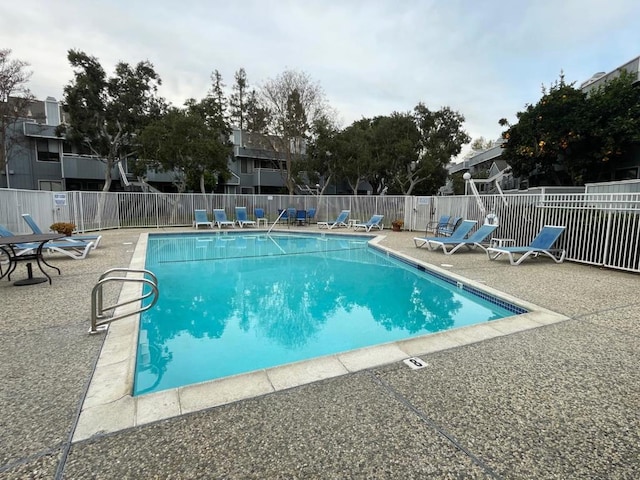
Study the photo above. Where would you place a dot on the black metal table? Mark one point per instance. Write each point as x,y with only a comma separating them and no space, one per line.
9,245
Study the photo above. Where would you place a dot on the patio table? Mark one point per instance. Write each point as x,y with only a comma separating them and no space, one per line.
8,246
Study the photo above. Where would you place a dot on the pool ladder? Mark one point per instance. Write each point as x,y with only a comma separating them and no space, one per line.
99,319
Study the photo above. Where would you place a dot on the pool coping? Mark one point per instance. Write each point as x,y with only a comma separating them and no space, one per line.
109,407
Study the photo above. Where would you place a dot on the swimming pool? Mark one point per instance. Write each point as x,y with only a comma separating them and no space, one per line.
232,303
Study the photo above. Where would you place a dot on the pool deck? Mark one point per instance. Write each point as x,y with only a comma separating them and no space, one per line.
557,399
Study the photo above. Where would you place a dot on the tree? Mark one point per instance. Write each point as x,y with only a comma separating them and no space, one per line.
571,137
613,124
293,103
185,142
480,144
353,151
106,114
257,119
322,161
15,100
395,150
238,102
216,95
441,138
548,135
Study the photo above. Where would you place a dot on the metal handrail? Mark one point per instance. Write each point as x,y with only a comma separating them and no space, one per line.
277,220
99,321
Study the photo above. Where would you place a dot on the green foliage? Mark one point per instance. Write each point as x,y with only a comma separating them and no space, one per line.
401,153
238,102
570,137
192,142
106,114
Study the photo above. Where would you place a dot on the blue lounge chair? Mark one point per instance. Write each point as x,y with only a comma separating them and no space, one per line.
340,221
477,239
35,228
458,235
540,245
242,218
220,219
374,221
201,219
66,246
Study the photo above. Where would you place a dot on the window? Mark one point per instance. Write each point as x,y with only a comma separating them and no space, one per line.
50,185
48,150
246,165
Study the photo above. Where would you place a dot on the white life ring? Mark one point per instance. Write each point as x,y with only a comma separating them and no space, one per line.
491,219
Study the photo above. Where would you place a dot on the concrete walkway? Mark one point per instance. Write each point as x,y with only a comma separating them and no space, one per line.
559,401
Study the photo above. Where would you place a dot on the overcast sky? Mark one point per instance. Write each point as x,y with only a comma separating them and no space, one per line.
485,59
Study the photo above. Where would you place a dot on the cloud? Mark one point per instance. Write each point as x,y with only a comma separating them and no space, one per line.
486,60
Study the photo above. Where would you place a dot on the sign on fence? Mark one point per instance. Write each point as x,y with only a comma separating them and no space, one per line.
59,199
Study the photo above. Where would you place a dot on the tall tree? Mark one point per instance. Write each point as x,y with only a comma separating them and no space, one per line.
238,101
293,102
216,94
15,100
257,117
106,114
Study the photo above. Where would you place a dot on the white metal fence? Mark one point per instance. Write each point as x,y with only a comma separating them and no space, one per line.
602,228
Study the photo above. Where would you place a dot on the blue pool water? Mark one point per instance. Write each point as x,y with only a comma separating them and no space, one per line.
233,302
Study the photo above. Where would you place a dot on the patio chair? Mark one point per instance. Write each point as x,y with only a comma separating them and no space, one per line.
449,228
374,221
201,219
220,219
75,249
242,218
311,214
434,226
540,245
35,228
301,217
260,216
340,221
476,240
458,234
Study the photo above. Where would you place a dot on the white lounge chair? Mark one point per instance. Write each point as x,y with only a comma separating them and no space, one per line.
220,219
201,219
458,235
374,221
541,245
476,240
242,219
340,221
35,228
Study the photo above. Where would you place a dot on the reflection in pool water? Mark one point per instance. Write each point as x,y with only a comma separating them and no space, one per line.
235,303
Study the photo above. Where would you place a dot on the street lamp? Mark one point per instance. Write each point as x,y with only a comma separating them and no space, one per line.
466,177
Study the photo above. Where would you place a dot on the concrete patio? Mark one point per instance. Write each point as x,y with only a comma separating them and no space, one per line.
558,401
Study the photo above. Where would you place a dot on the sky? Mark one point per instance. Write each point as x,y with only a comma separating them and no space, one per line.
486,60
